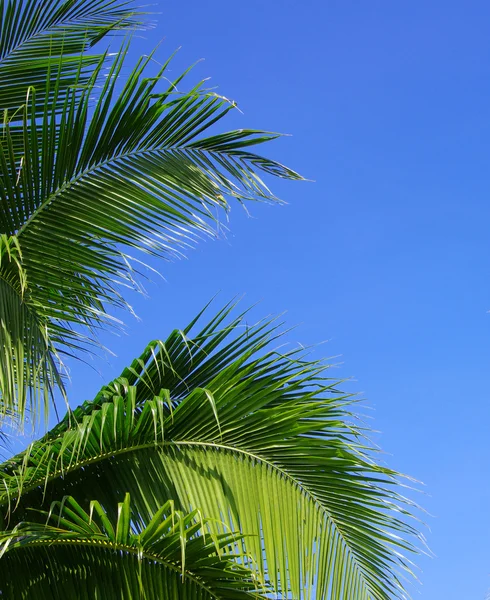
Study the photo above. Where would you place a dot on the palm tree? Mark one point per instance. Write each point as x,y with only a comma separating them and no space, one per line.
214,466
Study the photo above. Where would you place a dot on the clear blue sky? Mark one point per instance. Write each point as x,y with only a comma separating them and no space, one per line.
387,254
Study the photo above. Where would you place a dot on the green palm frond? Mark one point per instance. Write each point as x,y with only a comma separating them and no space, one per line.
91,183
86,555
252,437
45,39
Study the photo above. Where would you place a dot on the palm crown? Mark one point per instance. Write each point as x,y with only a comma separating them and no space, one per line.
214,466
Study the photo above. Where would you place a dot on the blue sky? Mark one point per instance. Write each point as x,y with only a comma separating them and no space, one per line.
387,254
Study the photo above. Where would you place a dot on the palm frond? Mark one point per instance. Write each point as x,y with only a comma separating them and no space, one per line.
258,439
85,555
134,173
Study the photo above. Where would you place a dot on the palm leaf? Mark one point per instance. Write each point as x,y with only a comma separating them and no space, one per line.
134,173
258,439
85,555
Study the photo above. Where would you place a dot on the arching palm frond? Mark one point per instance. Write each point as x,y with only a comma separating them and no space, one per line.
92,183
258,439
85,555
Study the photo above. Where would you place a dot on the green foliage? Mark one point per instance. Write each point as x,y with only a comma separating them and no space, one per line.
83,185
84,555
215,466
259,440
43,39
43,57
